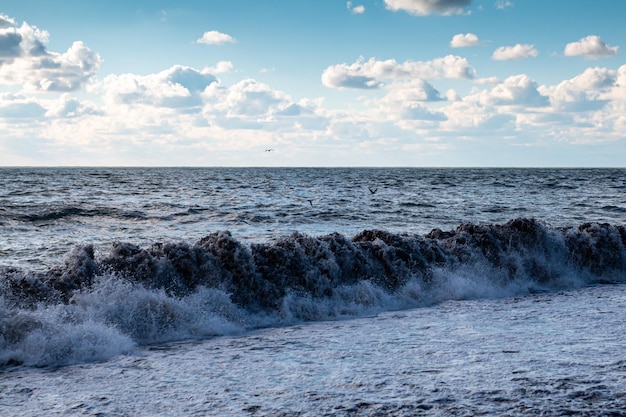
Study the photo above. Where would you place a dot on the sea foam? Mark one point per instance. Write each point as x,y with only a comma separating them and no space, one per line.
95,306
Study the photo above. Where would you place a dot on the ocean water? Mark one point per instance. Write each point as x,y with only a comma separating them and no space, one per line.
302,291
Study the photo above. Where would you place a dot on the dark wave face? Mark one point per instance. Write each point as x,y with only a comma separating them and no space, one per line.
94,305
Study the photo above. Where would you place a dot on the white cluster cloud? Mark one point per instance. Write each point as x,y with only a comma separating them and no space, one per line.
24,60
221,67
250,104
427,7
36,109
591,47
18,106
369,74
519,51
247,98
518,90
406,101
588,91
413,91
69,107
214,37
360,9
463,40
176,87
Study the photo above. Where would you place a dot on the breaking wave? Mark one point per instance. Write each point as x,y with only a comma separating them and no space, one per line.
98,305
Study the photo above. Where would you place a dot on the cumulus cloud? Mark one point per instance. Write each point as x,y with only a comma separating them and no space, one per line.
417,112
248,98
214,37
618,94
176,87
413,91
588,91
406,104
500,108
221,67
6,22
69,107
250,104
591,47
427,7
518,90
360,9
16,106
473,118
368,74
25,60
463,40
519,51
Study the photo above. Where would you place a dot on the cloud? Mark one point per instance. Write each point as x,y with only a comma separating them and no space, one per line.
417,112
427,7
618,93
221,67
24,60
473,118
487,80
250,104
591,47
503,4
464,40
70,107
413,91
248,98
176,87
519,51
20,107
588,91
360,9
368,74
518,90
501,108
214,37
6,22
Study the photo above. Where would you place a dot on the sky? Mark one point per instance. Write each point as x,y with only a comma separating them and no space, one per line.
414,83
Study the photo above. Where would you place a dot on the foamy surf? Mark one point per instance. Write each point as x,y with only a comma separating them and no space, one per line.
98,305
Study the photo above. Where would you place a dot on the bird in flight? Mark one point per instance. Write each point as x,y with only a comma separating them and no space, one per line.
269,150
373,191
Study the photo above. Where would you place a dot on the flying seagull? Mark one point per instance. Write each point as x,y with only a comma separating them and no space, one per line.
373,191
269,150
305,199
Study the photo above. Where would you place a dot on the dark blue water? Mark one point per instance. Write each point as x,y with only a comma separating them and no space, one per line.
45,212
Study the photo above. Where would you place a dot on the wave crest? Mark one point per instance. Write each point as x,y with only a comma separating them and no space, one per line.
175,290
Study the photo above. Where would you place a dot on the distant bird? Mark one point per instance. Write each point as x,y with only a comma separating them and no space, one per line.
269,150
310,202
373,191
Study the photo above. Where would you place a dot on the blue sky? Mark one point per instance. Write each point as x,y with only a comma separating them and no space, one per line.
321,83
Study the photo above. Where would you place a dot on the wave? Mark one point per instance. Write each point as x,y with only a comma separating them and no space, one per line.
60,213
98,305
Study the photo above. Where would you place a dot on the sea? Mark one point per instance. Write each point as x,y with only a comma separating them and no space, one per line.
312,292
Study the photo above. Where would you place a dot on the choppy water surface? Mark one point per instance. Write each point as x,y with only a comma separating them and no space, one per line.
45,212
